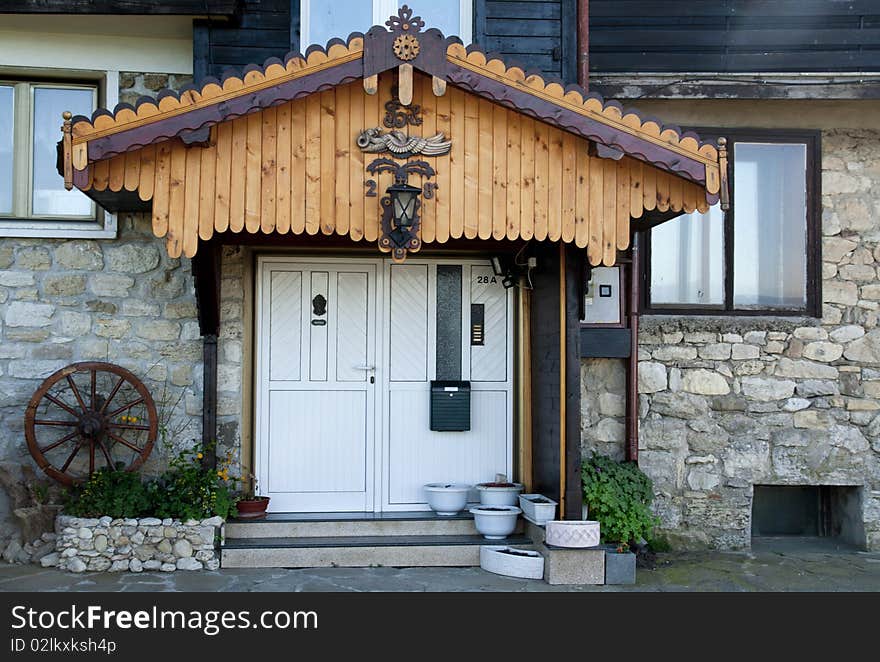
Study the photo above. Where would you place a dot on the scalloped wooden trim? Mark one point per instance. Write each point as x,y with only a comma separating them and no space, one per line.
253,81
590,107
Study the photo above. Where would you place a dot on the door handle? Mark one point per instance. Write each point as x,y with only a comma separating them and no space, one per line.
365,367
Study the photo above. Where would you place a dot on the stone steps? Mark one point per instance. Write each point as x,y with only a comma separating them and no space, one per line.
358,551
316,540
309,525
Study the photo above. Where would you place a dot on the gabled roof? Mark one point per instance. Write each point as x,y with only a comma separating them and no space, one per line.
615,131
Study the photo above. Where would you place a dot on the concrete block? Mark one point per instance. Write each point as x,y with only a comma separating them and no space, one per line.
573,566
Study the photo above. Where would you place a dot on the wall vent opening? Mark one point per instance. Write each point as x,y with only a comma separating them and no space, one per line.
832,512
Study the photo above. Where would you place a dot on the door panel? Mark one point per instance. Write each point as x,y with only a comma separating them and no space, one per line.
418,457
285,324
413,453
316,402
326,451
409,322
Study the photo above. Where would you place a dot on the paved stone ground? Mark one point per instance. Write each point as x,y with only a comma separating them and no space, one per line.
762,569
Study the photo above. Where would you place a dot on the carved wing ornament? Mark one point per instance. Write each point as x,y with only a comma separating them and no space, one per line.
399,144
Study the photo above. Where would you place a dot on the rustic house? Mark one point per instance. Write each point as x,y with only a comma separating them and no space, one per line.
297,256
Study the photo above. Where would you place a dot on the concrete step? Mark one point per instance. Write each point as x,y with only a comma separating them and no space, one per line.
358,551
323,525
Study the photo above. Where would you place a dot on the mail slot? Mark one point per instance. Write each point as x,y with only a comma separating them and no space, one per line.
450,406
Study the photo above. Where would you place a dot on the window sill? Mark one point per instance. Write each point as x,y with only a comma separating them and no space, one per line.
46,229
726,323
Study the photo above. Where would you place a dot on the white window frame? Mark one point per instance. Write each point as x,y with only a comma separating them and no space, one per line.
382,9
103,225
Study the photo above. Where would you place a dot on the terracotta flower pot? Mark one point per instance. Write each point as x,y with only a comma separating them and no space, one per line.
252,508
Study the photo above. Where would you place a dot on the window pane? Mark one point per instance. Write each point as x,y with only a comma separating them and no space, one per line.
770,224
687,260
6,129
50,198
445,15
337,19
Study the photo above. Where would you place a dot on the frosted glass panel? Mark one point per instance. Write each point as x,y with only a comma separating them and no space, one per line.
337,19
445,15
7,95
687,260
770,203
49,196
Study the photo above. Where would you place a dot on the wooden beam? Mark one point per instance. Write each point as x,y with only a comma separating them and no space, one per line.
206,274
213,8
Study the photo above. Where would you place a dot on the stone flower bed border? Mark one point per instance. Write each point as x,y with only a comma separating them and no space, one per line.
117,545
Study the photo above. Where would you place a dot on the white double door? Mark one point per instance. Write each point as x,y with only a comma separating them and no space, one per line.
346,351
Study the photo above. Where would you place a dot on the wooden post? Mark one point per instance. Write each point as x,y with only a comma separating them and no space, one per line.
562,379
583,41
206,273
524,384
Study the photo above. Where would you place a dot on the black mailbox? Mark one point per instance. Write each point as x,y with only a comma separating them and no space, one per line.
450,406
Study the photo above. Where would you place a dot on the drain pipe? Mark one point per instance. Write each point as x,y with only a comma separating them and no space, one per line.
632,365
583,43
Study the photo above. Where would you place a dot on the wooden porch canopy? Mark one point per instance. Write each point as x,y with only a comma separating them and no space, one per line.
276,150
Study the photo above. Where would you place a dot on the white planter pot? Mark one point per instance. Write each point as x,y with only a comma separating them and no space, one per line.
498,496
536,508
495,522
572,534
447,498
512,562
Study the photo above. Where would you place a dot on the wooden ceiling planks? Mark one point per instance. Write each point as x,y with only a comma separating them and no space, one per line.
295,168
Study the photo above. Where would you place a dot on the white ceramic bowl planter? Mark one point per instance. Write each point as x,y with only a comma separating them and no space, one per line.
499,494
511,562
447,498
495,522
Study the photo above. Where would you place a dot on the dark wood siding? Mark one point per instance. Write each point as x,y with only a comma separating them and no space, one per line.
263,29
734,35
538,35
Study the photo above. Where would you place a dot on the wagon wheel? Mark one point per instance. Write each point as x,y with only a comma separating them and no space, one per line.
87,416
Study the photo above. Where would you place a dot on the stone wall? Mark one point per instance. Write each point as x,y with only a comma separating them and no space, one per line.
149,543
727,403
123,301
134,85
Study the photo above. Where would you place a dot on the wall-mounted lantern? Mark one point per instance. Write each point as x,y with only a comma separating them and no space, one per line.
404,204
400,215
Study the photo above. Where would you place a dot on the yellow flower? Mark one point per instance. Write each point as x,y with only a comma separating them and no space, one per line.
199,455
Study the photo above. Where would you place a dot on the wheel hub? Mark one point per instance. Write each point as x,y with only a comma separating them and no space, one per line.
91,424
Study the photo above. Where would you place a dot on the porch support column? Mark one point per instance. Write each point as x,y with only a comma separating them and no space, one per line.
206,274
555,383
632,363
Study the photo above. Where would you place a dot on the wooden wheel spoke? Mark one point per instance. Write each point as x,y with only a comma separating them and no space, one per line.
94,384
106,453
70,410
125,406
92,457
128,426
122,441
56,444
76,393
65,424
112,394
70,457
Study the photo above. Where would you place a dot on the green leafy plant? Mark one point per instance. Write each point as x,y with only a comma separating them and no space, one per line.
112,492
619,496
188,490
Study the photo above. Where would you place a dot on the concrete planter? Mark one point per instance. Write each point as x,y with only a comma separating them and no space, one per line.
537,508
525,564
619,568
572,533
